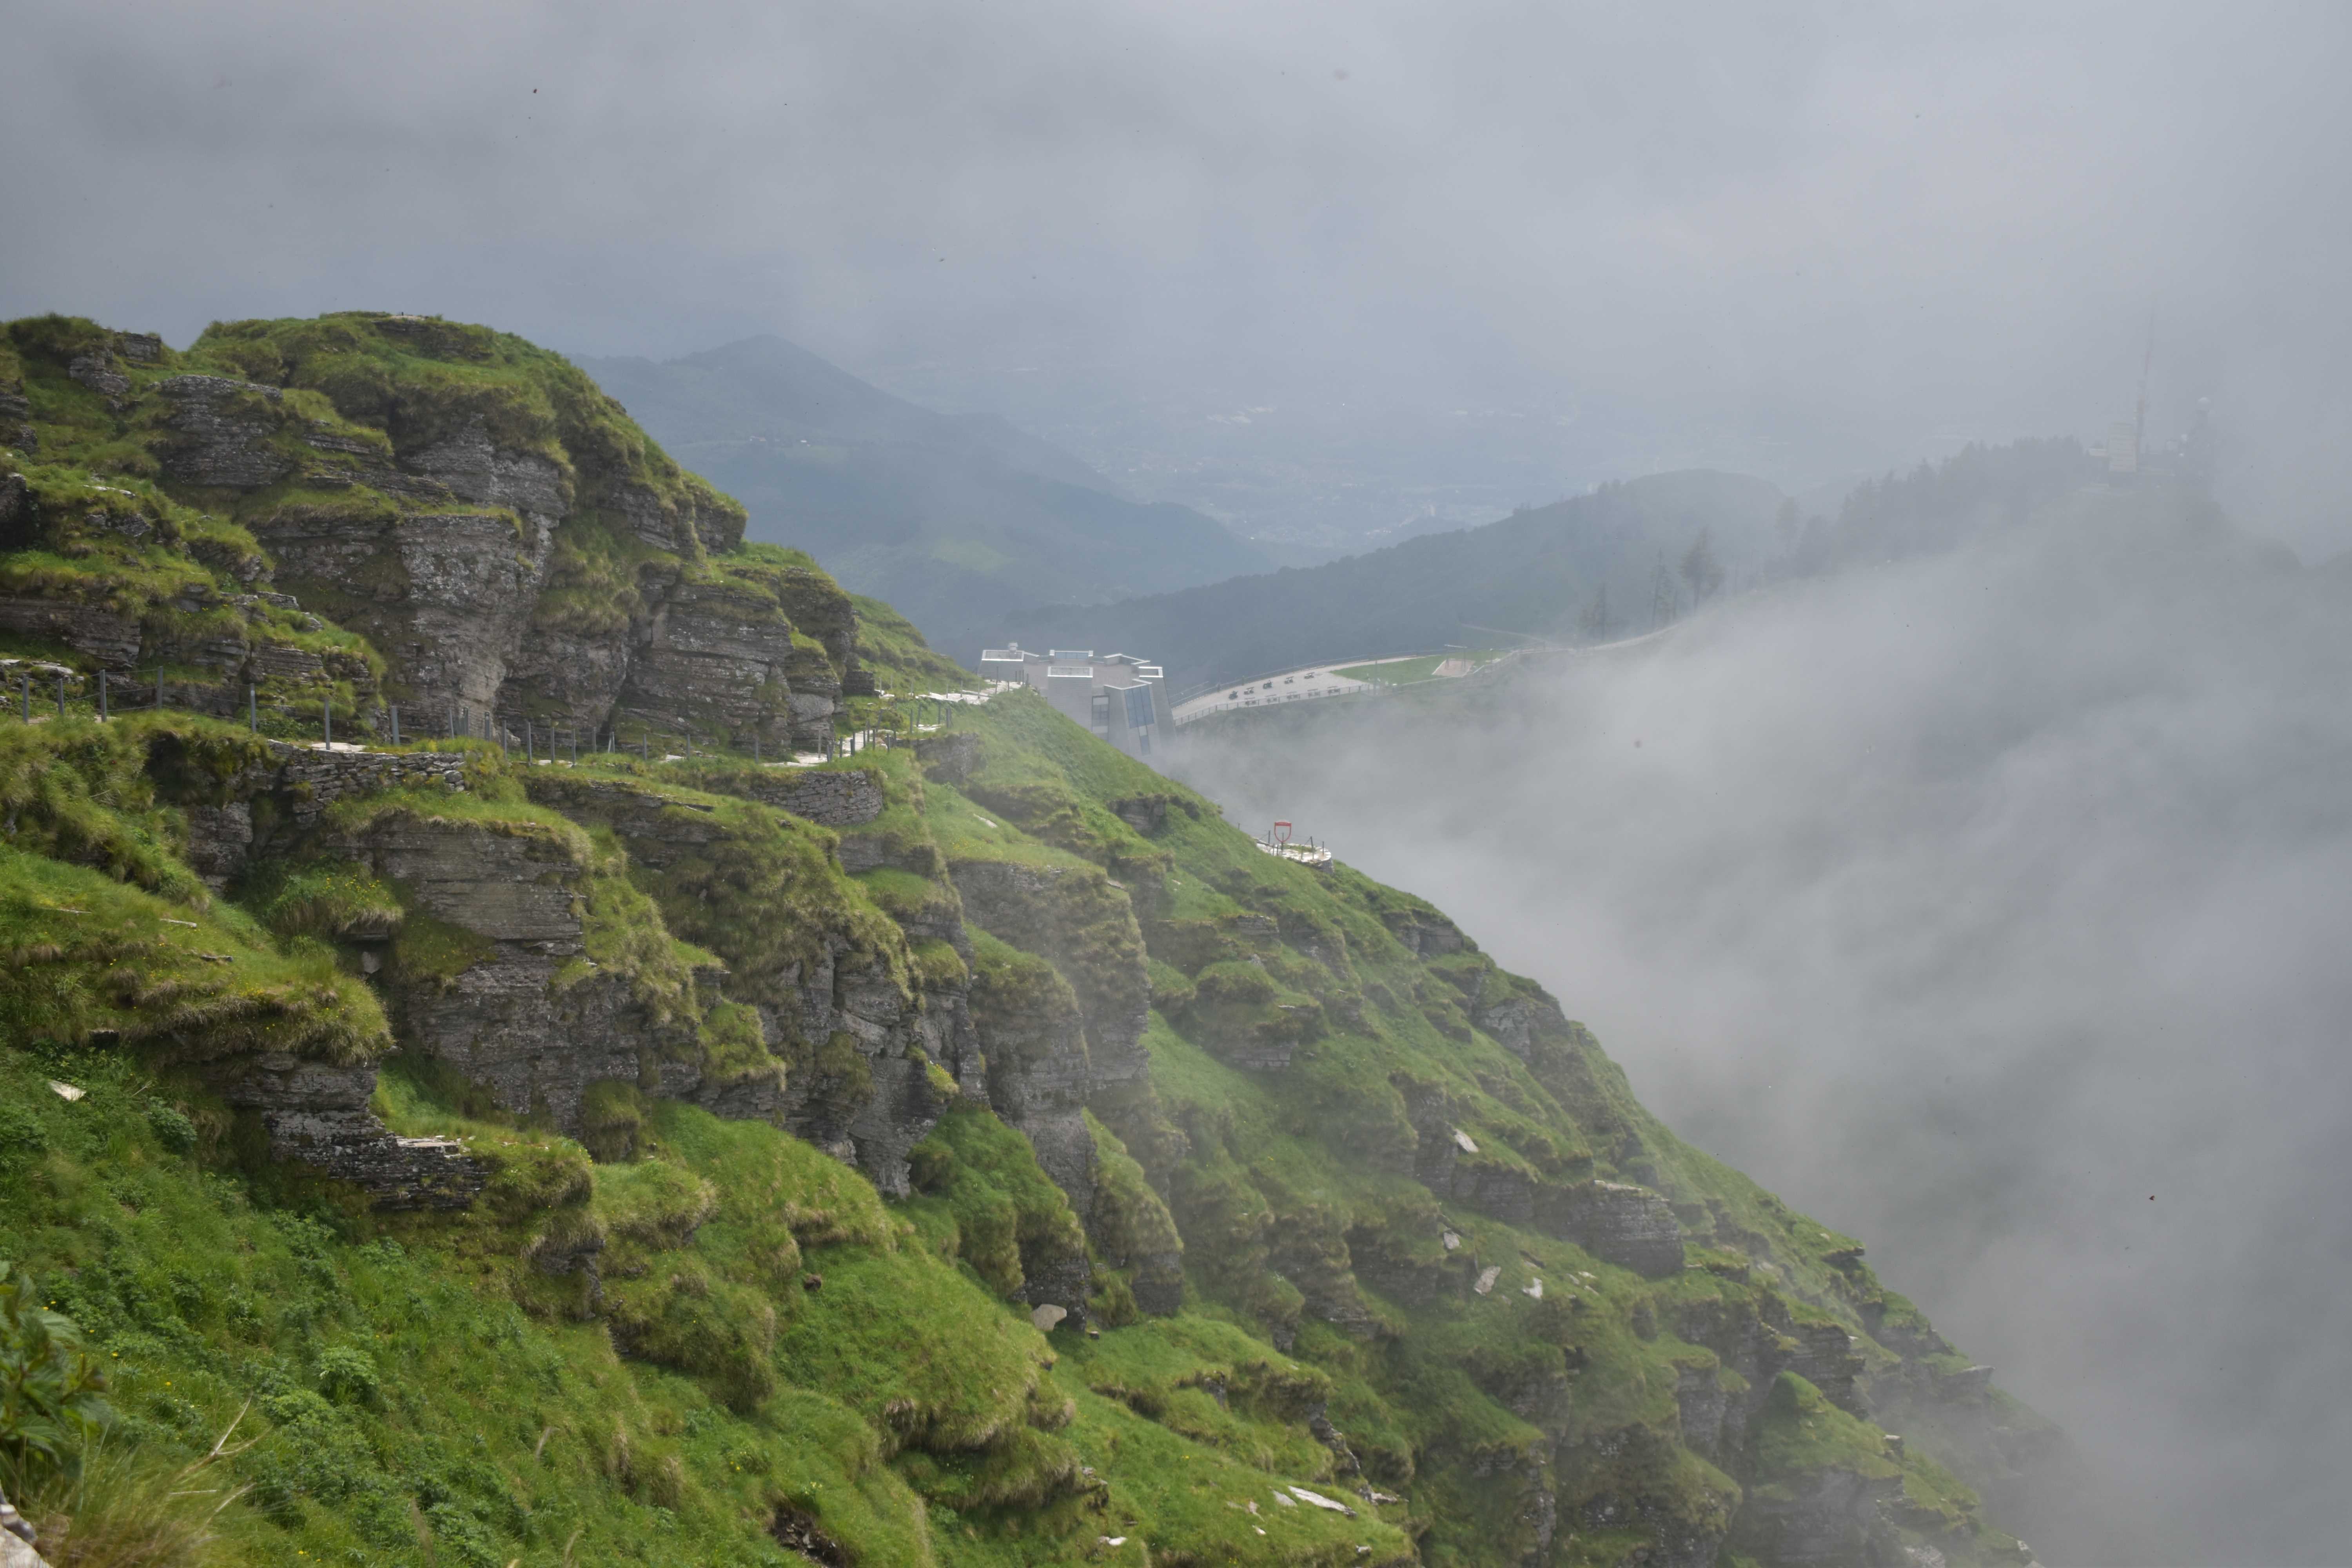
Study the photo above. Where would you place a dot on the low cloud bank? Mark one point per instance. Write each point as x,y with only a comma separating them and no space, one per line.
1993,907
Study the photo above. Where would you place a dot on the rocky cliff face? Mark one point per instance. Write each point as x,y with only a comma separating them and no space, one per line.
495,530
1374,1212
831,977
320,1115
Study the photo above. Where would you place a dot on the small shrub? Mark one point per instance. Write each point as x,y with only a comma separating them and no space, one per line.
23,1139
348,1376
173,1129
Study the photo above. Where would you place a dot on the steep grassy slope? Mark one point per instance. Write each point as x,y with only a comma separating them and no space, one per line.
975,1151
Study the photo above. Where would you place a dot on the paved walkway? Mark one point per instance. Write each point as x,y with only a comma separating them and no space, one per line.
1306,684
1290,686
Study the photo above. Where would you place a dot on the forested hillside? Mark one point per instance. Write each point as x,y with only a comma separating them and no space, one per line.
494,1147
1597,566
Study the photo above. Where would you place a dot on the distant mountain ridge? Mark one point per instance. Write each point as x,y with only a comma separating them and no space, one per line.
1539,573
956,518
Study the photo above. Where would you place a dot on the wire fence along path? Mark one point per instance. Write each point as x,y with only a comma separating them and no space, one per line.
35,690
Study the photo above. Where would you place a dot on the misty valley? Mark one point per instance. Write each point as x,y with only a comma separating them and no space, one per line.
927,786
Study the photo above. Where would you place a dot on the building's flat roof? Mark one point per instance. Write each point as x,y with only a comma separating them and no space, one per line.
1070,653
1003,656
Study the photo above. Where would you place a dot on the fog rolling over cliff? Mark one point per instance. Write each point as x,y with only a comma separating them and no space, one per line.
1992,904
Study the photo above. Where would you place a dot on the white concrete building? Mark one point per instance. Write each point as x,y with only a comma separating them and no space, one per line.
1116,695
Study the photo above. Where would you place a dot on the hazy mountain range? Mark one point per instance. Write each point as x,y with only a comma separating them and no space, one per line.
955,519
1539,573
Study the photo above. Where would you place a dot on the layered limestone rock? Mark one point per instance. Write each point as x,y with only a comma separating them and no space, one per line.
1033,1036
1628,1226
720,653
104,636
1072,917
1407,1122
222,431
828,973
16,416
1832,1517
1755,1338
444,596
278,795
1424,932
320,1115
428,516
518,1009
472,466
137,594
836,797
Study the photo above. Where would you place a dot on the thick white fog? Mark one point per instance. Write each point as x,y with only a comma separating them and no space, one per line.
1992,906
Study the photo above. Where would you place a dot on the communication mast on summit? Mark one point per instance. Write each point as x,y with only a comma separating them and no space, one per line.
2139,411
2127,442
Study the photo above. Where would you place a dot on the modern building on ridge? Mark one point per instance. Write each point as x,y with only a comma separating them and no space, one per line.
1118,695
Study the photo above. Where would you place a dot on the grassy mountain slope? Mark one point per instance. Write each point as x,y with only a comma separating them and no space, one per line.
973,1151
1536,574
954,521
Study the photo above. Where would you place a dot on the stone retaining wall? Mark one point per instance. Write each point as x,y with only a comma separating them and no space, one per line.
317,779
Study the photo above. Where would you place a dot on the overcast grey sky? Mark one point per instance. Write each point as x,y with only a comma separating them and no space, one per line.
1801,239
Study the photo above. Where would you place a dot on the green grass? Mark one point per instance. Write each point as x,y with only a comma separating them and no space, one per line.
984,1201
889,646
412,1361
91,959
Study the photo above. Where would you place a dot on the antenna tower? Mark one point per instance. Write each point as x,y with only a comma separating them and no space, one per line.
2139,413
